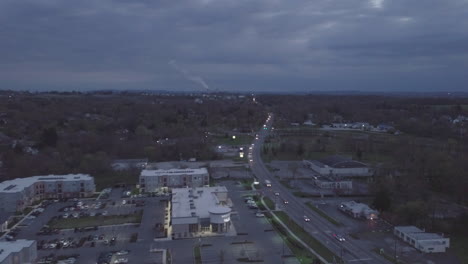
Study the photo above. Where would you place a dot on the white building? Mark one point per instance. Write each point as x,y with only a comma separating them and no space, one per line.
339,166
200,210
358,210
325,183
18,252
153,180
425,242
19,193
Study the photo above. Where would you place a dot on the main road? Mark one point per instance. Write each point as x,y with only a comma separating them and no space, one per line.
351,251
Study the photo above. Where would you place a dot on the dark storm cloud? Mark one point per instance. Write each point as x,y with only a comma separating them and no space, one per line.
234,44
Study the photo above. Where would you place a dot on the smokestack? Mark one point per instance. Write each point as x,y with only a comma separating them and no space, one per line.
196,79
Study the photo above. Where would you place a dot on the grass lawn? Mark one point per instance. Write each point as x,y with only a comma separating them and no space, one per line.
269,203
308,239
197,255
323,214
90,221
459,245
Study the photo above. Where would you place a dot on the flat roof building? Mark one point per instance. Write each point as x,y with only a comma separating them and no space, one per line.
16,194
200,210
359,210
425,242
338,166
153,180
18,252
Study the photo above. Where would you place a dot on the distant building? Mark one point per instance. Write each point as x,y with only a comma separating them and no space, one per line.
385,128
338,166
126,164
361,125
17,194
425,242
153,180
18,252
325,183
200,210
358,210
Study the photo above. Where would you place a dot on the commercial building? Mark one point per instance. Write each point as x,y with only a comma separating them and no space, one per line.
16,194
359,210
196,211
154,180
338,166
325,183
18,252
425,242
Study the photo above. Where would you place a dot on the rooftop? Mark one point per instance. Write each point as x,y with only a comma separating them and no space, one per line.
7,248
409,229
418,234
338,161
158,173
190,202
17,185
356,207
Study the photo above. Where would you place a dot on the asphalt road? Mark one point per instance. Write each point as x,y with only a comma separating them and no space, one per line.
351,251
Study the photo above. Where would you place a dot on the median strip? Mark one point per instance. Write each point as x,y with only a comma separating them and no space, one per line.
323,214
296,235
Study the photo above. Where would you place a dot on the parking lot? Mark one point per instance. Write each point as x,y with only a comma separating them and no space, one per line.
95,236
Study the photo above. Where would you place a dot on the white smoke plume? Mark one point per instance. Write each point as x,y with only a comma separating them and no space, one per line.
196,79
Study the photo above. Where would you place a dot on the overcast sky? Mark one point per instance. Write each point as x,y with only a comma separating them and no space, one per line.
234,45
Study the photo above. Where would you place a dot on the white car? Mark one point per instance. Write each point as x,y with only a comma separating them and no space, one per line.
306,218
65,215
258,214
277,193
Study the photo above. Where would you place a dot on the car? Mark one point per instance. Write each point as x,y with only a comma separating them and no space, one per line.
247,198
277,193
306,218
124,202
253,206
259,214
285,201
122,252
104,213
339,237
65,215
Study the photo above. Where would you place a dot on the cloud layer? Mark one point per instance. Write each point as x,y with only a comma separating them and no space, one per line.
242,45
